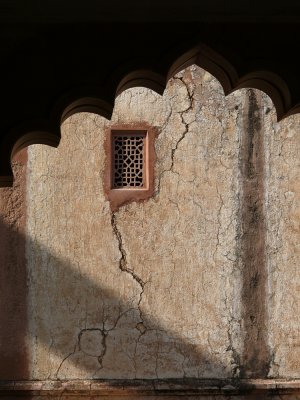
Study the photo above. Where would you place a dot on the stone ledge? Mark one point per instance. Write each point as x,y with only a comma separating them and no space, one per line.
150,387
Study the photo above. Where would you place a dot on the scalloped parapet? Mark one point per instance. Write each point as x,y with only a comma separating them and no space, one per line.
98,97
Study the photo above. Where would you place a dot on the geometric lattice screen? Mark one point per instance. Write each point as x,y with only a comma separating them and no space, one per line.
128,160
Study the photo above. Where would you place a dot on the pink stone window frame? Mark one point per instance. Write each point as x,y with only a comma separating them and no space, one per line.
124,195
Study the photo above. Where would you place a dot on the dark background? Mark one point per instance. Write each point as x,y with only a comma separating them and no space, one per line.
55,52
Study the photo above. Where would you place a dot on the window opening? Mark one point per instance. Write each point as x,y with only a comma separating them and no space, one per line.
129,166
129,160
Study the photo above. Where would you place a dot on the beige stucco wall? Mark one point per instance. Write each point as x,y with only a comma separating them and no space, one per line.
283,244
200,280
174,311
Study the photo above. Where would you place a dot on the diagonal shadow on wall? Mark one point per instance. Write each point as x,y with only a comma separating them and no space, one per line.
13,304
103,336
106,329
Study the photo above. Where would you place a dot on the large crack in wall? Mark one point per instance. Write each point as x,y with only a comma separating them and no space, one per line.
140,326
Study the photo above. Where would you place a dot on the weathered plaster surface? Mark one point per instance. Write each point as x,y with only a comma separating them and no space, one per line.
283,244
201,280
152,290
13,276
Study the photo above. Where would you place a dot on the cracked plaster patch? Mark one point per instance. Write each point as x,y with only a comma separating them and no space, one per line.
91,342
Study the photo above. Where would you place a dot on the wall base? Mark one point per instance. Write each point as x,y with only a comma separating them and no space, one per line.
192,388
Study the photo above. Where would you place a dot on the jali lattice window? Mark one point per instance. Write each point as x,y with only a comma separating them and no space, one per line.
129,160
129,164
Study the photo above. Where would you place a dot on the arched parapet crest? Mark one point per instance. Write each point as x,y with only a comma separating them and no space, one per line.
36,137
86,99
145,78
270,83
205,57
87,104
33,132
100,100
47,131
208,59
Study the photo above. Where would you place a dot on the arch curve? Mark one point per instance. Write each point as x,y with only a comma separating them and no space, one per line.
270,83
24,135
98,99
146,78
81,101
